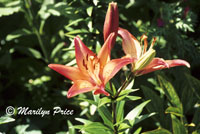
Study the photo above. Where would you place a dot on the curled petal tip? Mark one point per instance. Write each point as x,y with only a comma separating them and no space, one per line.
70,95
177,62
50,65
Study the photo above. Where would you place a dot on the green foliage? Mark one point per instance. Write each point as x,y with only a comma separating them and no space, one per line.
6,119
36,33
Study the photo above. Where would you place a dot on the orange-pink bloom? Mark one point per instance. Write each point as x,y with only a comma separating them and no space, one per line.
144,60
93,72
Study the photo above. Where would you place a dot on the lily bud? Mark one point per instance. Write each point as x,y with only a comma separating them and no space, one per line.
144,60
111,22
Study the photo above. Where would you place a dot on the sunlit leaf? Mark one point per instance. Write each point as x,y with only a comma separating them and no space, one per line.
17,34
174,110
6,119
131,116
56,49
103,101
89,10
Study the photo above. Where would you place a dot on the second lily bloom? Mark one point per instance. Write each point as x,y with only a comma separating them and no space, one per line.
144,60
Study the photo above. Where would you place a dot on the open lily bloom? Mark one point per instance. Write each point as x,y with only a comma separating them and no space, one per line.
93,72
144,60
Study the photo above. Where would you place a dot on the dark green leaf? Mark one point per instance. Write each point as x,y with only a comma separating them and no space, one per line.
158,131
178,127
170,92
30,51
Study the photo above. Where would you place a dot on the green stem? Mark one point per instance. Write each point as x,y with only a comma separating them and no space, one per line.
30,20
114,116
41,44
125,84
113,110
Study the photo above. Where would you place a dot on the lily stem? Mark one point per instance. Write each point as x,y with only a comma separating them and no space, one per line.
30,20
114,116
131,76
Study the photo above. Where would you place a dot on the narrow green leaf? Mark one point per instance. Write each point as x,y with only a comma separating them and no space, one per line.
6,119
130,85
138,130
56,49
177,126
103,101
158,131
132,98
195,84
106,116
170,92
90,101
78,31
120,111
96,128
70,127
74,22
89,10
84,121
143,117
174,110
124,93
136,112
6,11
17,34
30,51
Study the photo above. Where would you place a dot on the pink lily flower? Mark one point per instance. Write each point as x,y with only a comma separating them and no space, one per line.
93,72
111,22
144,60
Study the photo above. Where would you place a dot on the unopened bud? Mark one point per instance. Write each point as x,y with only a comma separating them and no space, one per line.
144,60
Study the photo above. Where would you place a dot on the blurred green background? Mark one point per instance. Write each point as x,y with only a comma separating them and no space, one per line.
34,33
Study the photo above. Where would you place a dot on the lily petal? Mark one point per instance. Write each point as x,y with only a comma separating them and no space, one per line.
80,86
71,73
82,53
155,64
111,22
158,64
101,90
104,53
113,66
177,62
130,44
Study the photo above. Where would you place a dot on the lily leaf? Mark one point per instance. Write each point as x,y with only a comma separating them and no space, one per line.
131,116
158,131
103,101
6,119
177,126
174,110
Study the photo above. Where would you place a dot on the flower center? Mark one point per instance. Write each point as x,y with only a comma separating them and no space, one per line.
92,66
